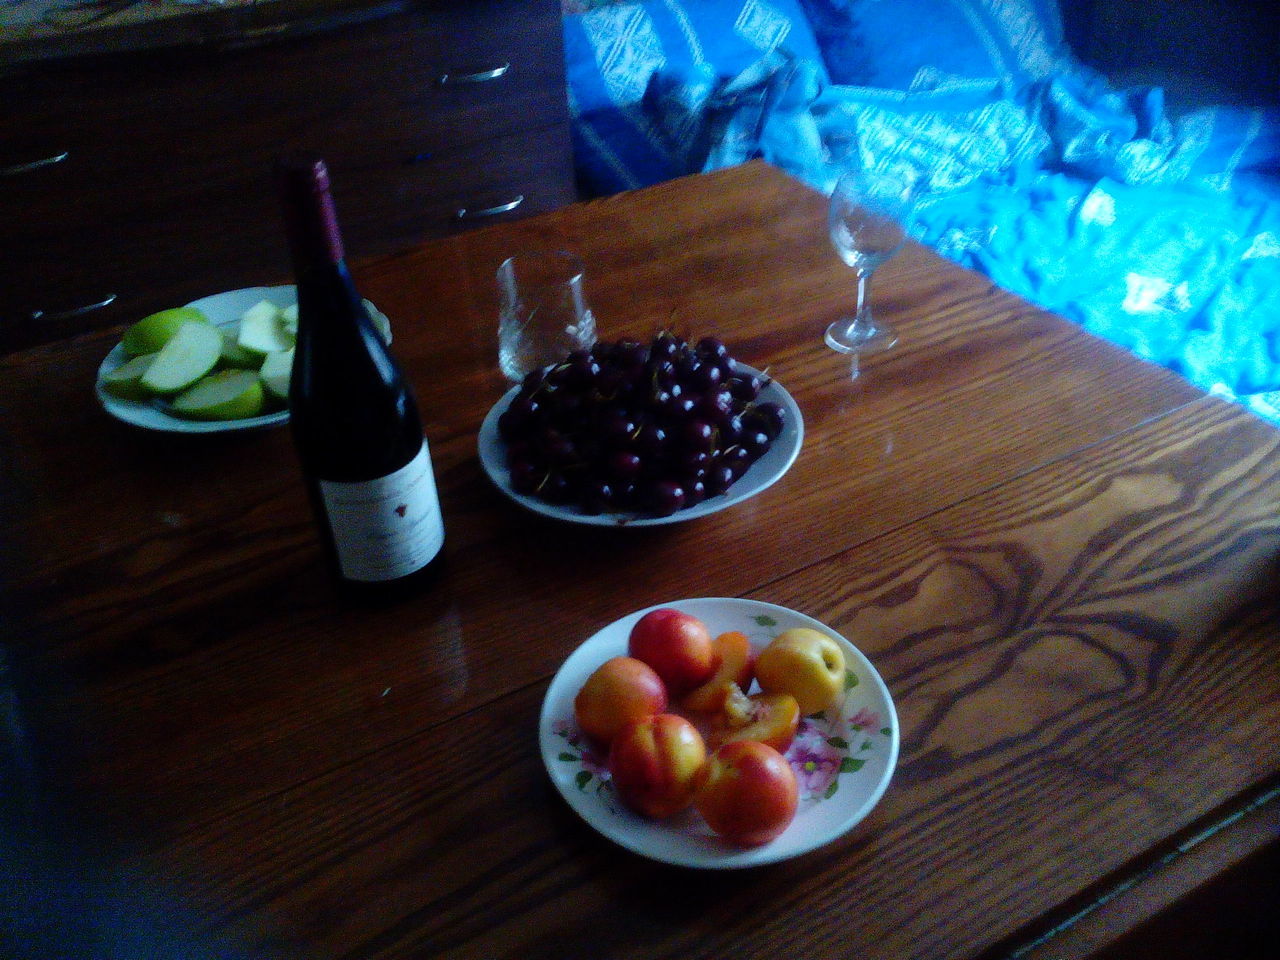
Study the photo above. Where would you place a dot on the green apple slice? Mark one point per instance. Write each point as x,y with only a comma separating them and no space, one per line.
289,320
275,372
152,332
234,355
188,356
262,330
225,395
125,381
380,321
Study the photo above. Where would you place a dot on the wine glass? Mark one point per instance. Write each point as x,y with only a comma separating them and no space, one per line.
868,219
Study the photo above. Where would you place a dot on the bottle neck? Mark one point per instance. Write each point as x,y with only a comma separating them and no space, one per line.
311,221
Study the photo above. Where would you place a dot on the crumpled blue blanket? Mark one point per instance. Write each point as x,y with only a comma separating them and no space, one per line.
1160,234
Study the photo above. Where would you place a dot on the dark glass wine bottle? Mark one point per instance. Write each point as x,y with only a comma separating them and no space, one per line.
354,418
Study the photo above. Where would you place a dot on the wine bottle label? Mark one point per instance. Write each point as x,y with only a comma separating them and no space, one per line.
389,527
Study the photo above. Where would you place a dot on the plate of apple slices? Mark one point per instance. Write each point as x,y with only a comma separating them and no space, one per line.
719,733
219,363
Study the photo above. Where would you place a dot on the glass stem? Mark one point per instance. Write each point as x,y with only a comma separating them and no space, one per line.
864,281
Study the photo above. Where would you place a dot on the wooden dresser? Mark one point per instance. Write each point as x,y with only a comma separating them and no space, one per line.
140,181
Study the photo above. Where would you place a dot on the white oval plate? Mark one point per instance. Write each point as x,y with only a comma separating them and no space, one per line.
223,309
760,475
843,757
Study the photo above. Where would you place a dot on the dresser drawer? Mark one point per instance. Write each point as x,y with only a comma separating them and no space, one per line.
164,189
503,178
434,78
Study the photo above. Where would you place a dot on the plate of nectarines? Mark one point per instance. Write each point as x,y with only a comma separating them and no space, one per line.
719,733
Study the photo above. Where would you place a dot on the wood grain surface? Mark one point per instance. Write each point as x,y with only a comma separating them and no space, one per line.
1063,561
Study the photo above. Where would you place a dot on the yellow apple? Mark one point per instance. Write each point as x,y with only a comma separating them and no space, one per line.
805,663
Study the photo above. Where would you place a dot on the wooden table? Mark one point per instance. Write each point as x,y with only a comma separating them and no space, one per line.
1063,561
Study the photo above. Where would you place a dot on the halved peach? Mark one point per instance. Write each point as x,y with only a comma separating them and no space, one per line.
737,662
770,718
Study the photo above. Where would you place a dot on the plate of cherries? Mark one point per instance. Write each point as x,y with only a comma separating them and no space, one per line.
638,434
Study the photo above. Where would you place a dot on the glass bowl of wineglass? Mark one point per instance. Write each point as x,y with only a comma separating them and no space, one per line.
868,218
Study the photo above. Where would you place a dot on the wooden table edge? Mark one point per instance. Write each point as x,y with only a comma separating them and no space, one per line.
1123,908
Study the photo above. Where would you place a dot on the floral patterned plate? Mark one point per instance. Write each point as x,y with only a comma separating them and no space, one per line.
843,757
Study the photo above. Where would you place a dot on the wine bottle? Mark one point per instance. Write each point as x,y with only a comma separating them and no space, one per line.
354,419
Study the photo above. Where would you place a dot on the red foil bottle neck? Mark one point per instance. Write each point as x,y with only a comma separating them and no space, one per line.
310,216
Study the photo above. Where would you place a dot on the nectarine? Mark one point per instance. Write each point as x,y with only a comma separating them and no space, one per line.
770,718
619,691
678,646
747,793
736,664
653,763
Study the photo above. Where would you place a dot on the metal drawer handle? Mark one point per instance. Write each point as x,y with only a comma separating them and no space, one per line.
480,76
465,214
74,312
20,168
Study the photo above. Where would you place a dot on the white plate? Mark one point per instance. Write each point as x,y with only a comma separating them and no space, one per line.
223,309
759,476
843,758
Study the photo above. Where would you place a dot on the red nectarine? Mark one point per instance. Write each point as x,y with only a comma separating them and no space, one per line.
621,690
747,793
653,763
678,646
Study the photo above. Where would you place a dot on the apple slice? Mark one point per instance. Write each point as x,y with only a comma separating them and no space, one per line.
289,320
125,381
152,332
188,356
736,665
276,370
225,395
380,321
262,329
234,355
770,718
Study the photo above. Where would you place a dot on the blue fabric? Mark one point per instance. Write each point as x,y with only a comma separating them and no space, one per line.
1180,274
1126,134
780,110
1097,206
900,44
710,123
612,53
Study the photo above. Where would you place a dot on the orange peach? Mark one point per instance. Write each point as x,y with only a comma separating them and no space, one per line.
736,664
770,718
678,647
747,793
654,763
620,691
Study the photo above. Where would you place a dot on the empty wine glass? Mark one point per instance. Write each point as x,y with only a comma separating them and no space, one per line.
868,218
